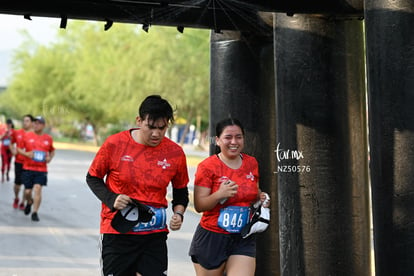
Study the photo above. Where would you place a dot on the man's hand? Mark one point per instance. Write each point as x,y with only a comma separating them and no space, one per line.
176,222
122,201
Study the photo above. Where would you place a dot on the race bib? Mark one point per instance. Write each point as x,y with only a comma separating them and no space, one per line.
39,156
157,222
6,142
233,218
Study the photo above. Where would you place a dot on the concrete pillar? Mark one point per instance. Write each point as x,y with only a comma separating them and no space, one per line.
242,86
322,170
390,63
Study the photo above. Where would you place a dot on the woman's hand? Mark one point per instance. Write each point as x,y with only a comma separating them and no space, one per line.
228,189
265,199
204,200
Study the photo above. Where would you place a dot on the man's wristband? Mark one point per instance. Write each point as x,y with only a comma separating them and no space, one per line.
180,214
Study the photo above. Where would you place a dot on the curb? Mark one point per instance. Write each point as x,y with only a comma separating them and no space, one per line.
61,145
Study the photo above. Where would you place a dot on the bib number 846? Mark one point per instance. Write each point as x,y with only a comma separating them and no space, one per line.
233,218
236,220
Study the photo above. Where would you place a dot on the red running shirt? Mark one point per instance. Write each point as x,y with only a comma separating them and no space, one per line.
7,139
17,138
139,171
212,172
40,144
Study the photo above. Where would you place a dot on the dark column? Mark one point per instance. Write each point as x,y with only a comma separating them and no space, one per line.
390,60
322,146
242,86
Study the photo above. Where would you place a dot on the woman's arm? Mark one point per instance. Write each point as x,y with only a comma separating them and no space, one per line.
204,200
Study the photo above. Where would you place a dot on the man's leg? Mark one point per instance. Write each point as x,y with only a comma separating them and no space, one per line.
37,199
18,170
28,186
16,190
29,201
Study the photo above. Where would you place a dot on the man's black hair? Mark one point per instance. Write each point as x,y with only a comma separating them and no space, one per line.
29,116
154,107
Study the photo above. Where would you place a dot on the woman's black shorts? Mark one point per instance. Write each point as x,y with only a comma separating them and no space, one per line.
211,249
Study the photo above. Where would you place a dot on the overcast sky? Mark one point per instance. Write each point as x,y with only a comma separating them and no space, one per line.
42,29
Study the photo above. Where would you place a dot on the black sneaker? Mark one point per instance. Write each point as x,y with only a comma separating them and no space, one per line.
35,217
28,209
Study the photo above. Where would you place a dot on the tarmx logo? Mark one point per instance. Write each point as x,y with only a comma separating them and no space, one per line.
282,154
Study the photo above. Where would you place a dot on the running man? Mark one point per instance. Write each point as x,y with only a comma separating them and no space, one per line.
137,165
17,140
37,146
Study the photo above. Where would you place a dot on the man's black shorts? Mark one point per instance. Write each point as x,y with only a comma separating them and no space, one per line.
30,178
125,254
211,249
18,169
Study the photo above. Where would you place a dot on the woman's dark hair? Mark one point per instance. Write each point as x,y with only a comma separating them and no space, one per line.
10,122
221,125
154,107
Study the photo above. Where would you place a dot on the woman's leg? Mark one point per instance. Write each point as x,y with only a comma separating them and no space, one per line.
3,164
8,164
239,265
201,271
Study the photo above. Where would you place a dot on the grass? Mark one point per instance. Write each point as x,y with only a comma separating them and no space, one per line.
193,161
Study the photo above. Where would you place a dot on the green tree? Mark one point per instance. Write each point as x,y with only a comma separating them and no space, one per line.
90,74
185,78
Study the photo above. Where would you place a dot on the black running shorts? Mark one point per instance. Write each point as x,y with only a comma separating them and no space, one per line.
125,254
18,169
30,178
211,249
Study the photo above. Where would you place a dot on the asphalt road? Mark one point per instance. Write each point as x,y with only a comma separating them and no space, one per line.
65,240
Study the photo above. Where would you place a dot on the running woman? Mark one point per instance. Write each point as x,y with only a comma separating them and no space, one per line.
6,152
226,185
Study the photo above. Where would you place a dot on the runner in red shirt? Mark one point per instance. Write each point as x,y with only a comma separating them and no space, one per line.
17,139
137,165
6,153
225,186
38,148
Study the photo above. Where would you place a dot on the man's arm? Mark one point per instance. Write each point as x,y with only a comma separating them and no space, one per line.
98,187
28,154
179,202
180,197
50,156
13,149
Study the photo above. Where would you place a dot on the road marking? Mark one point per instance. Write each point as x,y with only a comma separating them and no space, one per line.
49,259
23,230
30,271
